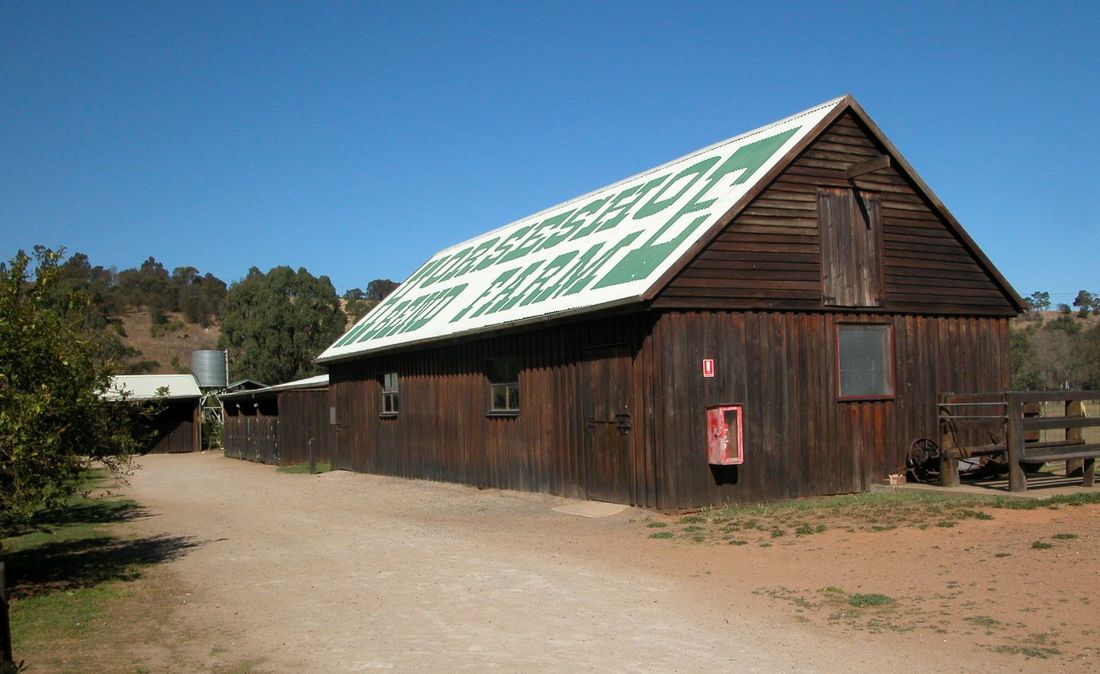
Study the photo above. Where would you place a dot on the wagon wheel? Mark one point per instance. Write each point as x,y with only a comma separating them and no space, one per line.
923,460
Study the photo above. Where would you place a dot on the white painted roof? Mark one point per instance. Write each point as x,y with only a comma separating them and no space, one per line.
319,381
599,250
309,382
146,386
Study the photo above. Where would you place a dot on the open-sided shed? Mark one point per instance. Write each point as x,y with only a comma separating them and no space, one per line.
281,424
177,425
769,317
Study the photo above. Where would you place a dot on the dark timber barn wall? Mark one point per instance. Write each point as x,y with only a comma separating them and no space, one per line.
176,427
278,427
756,298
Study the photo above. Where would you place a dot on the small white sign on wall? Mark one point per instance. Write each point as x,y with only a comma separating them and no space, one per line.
708,367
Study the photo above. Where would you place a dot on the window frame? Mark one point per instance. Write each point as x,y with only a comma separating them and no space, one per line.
889,357
391,395
511,387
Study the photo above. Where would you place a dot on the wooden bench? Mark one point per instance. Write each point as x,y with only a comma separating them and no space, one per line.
1022,426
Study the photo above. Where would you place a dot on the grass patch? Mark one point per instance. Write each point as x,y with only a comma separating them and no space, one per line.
300,468
982,621
1041,545
661,534
1028,651
67,570
869,512
657,525
873,599
1064,537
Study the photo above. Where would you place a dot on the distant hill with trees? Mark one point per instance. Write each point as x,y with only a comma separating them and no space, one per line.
152,318
1057,347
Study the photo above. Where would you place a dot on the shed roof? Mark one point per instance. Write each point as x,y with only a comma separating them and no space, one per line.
245,384
147,386
318,382
616,246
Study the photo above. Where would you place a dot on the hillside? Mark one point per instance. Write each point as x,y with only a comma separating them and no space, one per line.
170,346
1043,317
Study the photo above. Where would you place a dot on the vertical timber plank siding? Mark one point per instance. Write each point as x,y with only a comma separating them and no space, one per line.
769,257
752,299
800,440
303,416
442,431
176,427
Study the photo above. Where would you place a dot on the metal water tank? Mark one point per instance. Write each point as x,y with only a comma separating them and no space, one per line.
210,368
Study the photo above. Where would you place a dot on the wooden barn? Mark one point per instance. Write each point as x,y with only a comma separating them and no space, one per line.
177,426
279,424
767,318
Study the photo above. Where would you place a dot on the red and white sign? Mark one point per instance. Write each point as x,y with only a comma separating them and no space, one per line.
708,367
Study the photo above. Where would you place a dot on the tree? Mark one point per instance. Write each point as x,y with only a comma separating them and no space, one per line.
1038,301
358,303
1089,355
54,421
200,298
1084,303
148,286
1056,352
380,288
1024,376
275,324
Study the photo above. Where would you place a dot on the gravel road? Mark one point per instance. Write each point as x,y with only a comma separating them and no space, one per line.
344,572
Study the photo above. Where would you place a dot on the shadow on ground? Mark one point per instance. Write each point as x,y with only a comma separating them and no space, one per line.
70,565
68,549
93,512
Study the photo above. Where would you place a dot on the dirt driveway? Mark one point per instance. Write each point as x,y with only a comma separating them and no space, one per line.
343,572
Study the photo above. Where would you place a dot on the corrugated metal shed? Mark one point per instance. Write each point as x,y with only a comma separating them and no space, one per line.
146,386
600,250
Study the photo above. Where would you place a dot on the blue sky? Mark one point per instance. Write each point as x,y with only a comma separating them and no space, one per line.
356,139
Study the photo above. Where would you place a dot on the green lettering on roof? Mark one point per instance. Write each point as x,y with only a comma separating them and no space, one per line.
575,221
640,262
536,236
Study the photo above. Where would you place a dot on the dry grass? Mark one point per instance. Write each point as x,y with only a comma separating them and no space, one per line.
176,342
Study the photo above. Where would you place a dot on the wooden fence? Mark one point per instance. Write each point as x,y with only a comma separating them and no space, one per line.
1024,427
253,438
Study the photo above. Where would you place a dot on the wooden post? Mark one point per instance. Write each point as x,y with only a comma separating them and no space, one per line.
949,452
6,655
1014,438
312,459
1075,408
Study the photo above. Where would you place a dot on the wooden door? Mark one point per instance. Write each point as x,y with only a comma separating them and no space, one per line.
339,399
608,427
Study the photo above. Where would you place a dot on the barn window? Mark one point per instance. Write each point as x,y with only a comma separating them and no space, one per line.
851,243
390,394
866,361
503,385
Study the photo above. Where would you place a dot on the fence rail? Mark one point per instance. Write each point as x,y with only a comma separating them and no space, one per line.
1022,432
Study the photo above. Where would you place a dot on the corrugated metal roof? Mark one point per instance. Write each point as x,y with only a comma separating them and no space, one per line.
146,386
317,382
596,251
